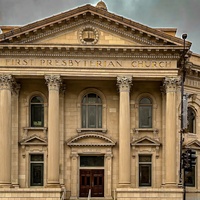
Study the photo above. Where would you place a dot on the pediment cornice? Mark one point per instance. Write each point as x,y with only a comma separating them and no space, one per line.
195,144
33,141
145,141
138,32
105,140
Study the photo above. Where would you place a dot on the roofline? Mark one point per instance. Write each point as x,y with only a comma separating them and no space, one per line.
88,7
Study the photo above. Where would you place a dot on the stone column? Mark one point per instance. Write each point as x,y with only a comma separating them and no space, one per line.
54,83
124,84
171,84
5,129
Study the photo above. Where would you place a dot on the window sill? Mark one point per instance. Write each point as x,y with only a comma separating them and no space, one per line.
153,130
101,130
35,128
29,130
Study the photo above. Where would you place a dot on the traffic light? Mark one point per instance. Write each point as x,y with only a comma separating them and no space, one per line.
192,157
185,161
189,159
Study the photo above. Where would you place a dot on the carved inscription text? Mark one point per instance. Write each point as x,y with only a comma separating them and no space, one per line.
87,63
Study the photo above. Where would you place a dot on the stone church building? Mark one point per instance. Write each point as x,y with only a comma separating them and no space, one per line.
90,105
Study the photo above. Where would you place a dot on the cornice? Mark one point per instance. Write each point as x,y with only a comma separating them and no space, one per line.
106,141
63,51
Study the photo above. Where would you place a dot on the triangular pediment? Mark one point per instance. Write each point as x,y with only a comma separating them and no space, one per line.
145,141
195,144
91,139
33,140
89,25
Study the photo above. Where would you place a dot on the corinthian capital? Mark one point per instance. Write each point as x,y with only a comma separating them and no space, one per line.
171,83
124,83
6,81
53,82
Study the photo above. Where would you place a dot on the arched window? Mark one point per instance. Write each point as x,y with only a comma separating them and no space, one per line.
91,111
191,120
37,112
145,113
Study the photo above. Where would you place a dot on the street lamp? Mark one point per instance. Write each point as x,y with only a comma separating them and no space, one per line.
183,69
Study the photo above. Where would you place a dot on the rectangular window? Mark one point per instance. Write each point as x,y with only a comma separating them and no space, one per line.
145,167
190,178
36,169
92,161
145,117
37,115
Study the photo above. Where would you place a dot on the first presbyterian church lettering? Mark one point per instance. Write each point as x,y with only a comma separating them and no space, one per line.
86,63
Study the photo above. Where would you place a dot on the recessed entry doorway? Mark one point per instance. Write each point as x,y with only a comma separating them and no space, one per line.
91,176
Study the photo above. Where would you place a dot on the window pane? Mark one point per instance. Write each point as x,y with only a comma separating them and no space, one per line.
37,157
145,117
36,174
37,99
145,101
91,161
145,158
91,116
99,116
92,98
83,116
191,120
145,175
37,115
91,111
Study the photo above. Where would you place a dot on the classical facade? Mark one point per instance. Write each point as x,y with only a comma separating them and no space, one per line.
90,105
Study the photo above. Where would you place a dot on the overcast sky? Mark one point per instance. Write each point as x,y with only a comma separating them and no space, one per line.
181,14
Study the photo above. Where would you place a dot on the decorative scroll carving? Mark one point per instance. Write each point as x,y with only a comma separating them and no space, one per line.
6,81
171,83
53,82
124,83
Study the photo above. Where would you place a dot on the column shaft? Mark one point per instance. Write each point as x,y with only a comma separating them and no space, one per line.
171,134
124,84
53,130
5,130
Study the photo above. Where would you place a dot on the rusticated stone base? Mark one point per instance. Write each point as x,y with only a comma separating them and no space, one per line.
30,193
149,194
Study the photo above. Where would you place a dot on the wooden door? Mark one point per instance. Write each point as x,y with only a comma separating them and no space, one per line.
94,180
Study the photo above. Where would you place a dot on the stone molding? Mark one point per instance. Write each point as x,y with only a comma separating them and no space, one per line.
53,81
124,83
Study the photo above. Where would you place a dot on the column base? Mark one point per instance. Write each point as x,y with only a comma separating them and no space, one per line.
6,185
124,185
170,185
53,185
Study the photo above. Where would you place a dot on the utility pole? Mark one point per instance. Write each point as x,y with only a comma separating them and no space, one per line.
182,176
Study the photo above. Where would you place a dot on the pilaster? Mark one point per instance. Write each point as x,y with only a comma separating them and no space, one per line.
15,134
53,82
74,175
171,85
124,83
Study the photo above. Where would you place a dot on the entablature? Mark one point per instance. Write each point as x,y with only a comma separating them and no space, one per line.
102,51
